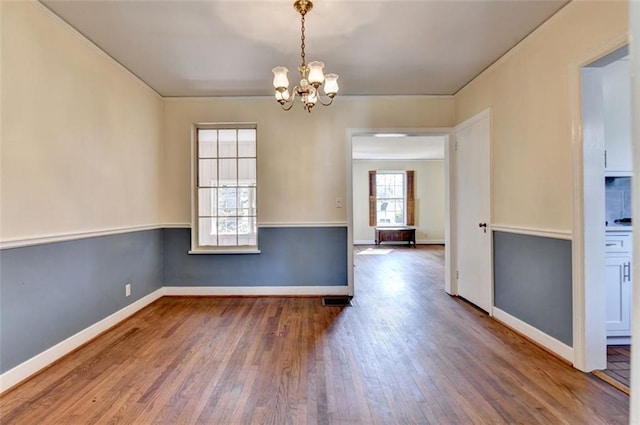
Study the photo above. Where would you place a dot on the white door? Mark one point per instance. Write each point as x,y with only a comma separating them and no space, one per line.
473,243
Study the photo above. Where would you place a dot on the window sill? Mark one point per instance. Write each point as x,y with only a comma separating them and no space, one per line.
224,251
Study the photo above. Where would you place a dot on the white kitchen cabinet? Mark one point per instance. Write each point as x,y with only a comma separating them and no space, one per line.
618,275
618,158
618,279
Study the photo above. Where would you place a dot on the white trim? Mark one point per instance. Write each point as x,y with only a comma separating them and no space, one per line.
95,47
589,335
223,251
234,291
26,369
348,154
634,28
430,242
176,226
398,160
272,224
547,341
532,231
270,98
447,132
61,237
305,224
450,284
484,114
364,242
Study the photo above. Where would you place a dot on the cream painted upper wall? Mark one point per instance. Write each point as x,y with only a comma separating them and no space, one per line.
302,158
81,137
532,93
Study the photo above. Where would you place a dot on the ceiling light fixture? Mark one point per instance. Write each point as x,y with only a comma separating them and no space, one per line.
311,75
388,135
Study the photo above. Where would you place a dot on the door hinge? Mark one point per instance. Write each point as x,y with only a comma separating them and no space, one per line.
605,158
457,274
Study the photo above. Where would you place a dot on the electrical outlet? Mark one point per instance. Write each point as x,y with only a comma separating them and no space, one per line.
127,290
338,202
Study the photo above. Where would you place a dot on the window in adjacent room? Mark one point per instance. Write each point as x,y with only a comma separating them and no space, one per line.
391,198
225,189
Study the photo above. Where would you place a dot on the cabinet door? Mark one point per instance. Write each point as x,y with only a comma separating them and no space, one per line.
618,275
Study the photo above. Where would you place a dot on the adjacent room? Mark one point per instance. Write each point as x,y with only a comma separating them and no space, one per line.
200,222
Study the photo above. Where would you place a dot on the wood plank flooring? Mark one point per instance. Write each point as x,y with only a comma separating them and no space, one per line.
404,353
619,365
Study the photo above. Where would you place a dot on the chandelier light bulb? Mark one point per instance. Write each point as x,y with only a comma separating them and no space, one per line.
280,80
316,76
282,96
331,84
313,96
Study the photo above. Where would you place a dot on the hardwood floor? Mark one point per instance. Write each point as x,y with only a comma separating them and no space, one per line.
404,353
618,371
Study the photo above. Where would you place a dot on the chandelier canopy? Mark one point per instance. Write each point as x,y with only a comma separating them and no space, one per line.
311,75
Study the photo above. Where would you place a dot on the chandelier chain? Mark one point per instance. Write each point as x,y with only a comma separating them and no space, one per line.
302,45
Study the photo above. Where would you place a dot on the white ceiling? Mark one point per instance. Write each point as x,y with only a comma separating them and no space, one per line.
228,48
398,147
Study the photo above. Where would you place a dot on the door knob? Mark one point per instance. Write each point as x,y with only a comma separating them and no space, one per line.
483,226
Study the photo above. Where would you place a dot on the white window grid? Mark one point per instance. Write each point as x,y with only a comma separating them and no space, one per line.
226,187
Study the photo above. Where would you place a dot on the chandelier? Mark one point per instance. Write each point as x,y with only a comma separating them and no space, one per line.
311,75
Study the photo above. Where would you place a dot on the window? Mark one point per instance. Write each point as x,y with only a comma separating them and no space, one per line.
225,189
391,198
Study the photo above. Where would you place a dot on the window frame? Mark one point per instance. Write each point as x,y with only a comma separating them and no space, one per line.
196,248
409,197
404,197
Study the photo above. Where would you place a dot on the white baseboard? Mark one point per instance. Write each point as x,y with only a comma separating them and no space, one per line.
12,377
430,242
364,242
547,341
255,290
28,368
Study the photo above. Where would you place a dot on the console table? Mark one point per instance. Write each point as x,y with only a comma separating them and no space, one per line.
396,234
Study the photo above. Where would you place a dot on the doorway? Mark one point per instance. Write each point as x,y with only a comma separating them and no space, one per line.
426,152
606,195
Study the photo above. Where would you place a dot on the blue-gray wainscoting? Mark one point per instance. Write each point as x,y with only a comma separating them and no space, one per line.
289,256
533,282
52,291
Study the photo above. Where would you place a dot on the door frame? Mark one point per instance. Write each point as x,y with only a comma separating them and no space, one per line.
447,133
486,113
589,315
